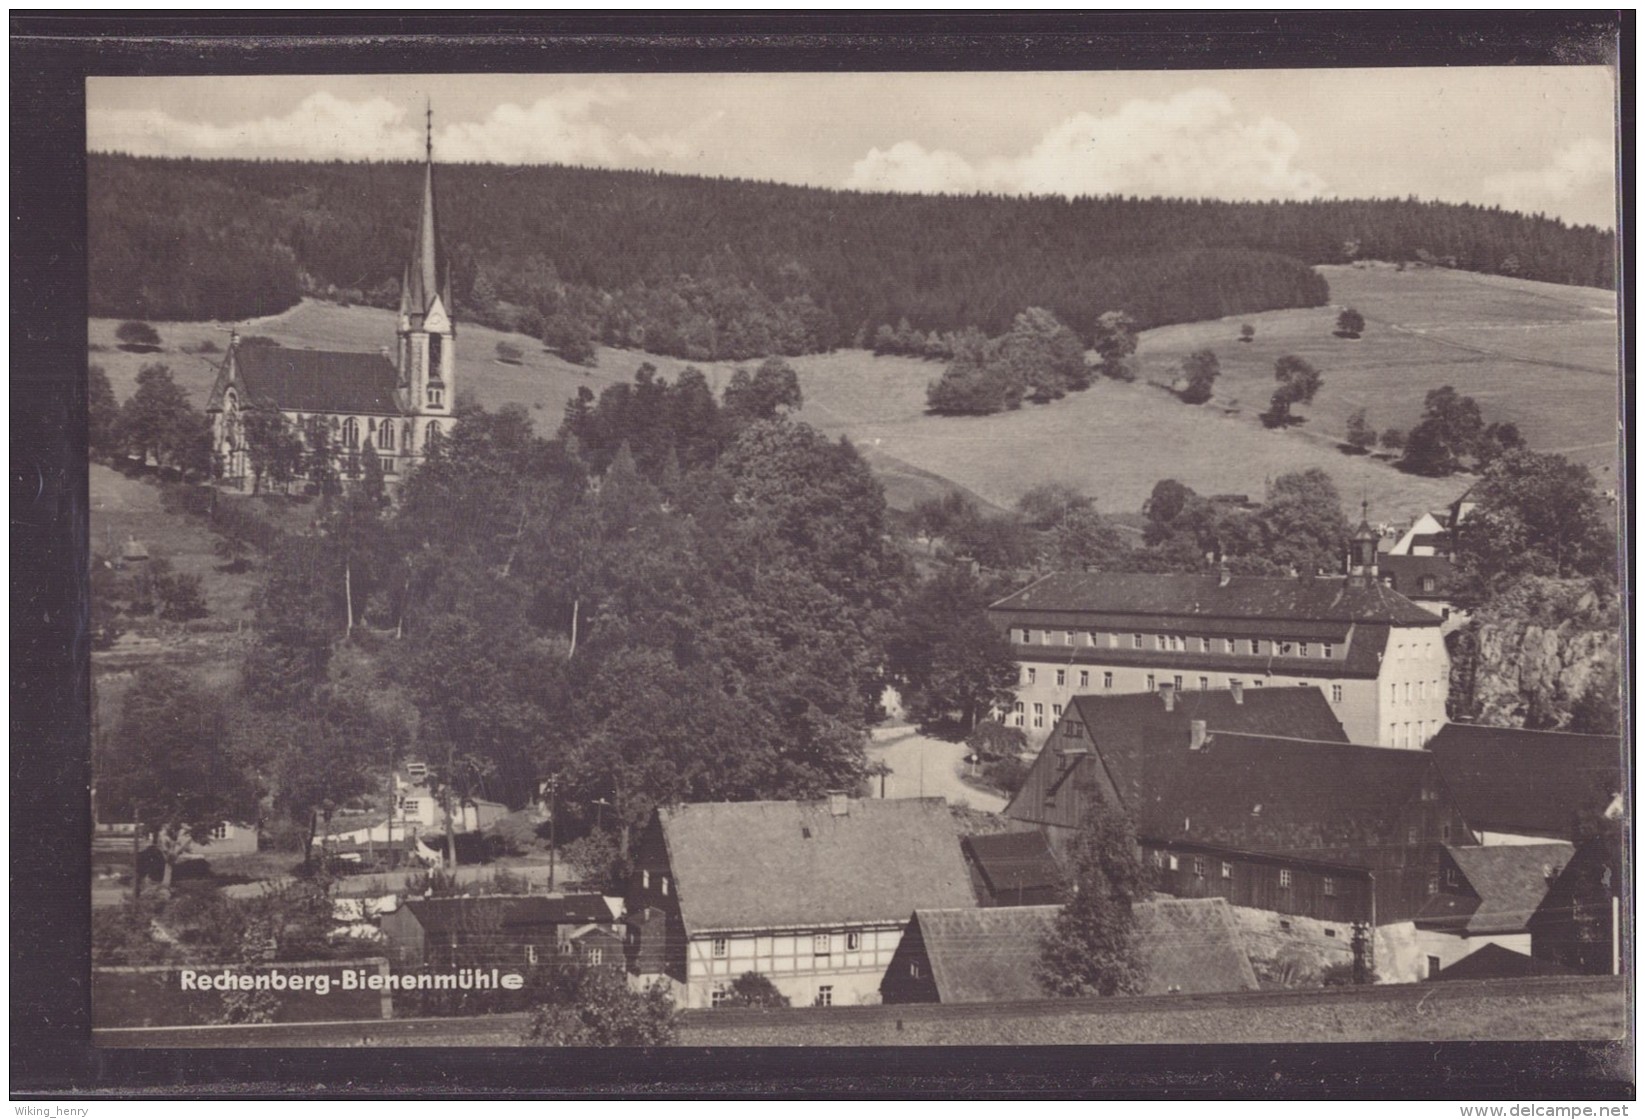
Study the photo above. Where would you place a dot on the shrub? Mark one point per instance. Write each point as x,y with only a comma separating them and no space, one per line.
595,1007
138,337
753,990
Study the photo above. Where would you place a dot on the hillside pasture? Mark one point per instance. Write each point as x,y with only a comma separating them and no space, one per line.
1540,355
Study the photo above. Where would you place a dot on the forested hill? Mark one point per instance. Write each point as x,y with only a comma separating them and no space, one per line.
711,268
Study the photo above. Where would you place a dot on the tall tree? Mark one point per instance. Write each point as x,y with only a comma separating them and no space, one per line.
167,765
1114,338
102,414
1302,522
151,419
1298,381
1201,369
1092,946
1536,514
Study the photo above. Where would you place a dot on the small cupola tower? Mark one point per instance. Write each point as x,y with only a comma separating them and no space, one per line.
428,335
1362,550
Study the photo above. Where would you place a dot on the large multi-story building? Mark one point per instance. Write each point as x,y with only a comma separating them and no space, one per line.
1378,657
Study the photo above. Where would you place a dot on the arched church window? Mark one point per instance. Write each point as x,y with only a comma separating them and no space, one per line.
385,436
434,343
410,434
351,433
431,435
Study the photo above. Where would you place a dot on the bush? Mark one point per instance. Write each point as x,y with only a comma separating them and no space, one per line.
510,353
1006,774
138,337
753,990
595,1007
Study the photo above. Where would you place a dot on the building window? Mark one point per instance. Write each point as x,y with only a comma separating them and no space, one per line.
531,954
1235,682
431,435
1422,690
1136,641
721,947
1329,887
1329,932
1072,730
1045,637
645,880
351,433
1199,866
914,970
1161,642
1204,683
1433,967
1407,692
1176,682
1170,863
1228,645
825,995
1062,677
1018,715
1151,685
718,997
1159,858
1256,646
820,944
1113,641
1067,637
665,885
1085,678
1108,680
1284,878
1258,683
385,436
1327,650
592,955
1336,694
1227,870
410,806
1451,877
1428,584
1091,637
853,941
1025,637
1031,674
1393,693
1205,645
1433,883
1056,711
1445,833
436,396
1039,715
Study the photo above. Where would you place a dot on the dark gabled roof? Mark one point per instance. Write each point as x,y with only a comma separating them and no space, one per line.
1508,882
782,864
1268,794
1406,573
489,913
1130,730
1312,599
1365,645
989,955
1014,861
312,381
1530,782
1493,962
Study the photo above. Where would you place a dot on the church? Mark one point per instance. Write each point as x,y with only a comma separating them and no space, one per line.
394,403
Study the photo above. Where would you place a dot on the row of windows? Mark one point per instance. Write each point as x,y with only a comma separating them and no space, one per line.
590,955
1176,643
1424,690
645,882
1427,650
1030,676
1170,862
821,944
1413,734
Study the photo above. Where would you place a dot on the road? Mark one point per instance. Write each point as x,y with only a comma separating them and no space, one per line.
926,767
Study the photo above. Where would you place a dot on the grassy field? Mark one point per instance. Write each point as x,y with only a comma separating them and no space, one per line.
1540,355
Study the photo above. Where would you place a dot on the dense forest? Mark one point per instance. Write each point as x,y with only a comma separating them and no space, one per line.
708,268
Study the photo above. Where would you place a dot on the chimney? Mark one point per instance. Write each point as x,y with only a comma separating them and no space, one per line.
838,804
1196,735
1238,689
1168,694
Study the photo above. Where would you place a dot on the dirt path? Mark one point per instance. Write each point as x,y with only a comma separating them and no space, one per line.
925,767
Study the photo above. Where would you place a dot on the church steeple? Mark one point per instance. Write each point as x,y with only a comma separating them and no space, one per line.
1362,550
427,333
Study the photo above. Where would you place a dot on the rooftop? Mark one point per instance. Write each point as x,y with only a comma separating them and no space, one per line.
489,913
779,864
1528,782
989,955
312,381
1311,598
1508,882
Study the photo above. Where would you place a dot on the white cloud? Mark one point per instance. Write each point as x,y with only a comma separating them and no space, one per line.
1580,180
560,128
1194,144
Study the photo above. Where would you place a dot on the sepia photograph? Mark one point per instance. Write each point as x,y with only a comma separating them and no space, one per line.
830,558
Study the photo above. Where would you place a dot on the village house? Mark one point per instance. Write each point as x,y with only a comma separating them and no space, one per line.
1377,657
1516,786
811,895
1186,946
1581,923
393,403
1485,896
502,930
1306,838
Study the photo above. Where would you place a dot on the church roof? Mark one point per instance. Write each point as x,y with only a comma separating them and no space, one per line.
310,381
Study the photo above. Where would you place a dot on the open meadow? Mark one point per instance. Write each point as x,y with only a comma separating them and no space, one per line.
1540,355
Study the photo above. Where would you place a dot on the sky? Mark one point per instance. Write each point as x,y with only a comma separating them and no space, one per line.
1535,139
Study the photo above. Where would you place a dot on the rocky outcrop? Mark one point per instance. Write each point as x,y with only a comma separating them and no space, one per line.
1540,654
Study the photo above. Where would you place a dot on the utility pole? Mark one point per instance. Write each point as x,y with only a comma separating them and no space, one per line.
553,825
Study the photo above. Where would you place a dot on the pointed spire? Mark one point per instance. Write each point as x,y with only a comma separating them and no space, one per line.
424,270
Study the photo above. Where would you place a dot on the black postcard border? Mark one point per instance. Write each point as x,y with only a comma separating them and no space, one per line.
52,1056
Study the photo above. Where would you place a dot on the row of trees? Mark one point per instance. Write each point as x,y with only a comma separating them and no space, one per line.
157,423
709,269
1451,435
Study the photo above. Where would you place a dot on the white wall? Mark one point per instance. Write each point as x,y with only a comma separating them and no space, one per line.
791,963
